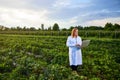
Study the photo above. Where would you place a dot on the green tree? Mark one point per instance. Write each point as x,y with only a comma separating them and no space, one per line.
49,28
32,29
24,28
39,28
80,27
56,27
108,26
93,28
2,27
19,28
42,26
116,27
64,29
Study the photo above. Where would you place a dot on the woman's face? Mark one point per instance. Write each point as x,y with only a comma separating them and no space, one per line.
76,33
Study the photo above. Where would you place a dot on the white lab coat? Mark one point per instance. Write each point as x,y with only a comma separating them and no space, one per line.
75,54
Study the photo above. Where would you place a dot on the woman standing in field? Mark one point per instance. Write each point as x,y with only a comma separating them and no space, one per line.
74,43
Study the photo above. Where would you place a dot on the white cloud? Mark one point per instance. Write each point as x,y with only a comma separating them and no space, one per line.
33,13
61,3
102,22
71,4
22,17
73,20
95,13
15,3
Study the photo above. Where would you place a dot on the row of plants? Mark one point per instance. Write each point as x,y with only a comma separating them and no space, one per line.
31,57
83,33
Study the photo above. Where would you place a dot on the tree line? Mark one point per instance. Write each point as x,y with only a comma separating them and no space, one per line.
55,27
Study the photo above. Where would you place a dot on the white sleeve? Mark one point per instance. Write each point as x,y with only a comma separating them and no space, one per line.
79,41
69,43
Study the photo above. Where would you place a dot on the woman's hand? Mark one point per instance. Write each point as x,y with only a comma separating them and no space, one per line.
78,45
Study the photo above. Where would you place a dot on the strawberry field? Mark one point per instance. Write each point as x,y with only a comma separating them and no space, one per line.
34,57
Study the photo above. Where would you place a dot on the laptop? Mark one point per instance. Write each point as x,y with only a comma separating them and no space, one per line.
85,43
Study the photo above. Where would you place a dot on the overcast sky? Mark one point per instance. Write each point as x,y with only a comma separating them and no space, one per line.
33,13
